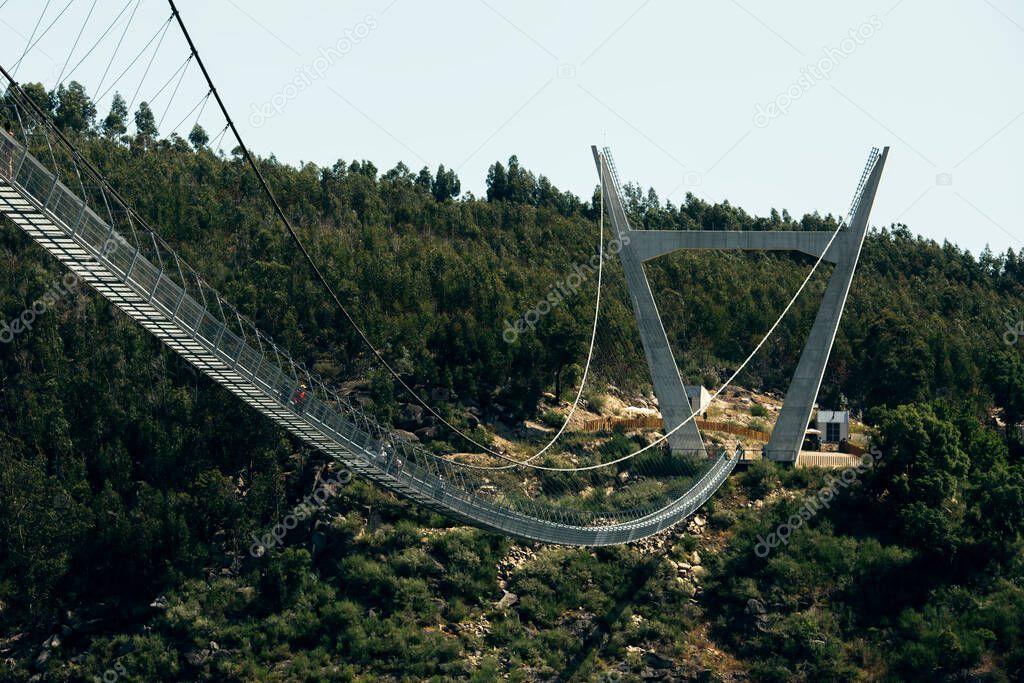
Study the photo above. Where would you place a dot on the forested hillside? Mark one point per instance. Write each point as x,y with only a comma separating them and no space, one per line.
131,487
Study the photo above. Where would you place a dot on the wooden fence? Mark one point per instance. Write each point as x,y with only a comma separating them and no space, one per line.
733,429
628,424
633,423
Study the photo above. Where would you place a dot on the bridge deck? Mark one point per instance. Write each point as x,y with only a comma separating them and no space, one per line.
36,201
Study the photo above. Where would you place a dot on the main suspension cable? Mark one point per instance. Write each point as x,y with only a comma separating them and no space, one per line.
312,263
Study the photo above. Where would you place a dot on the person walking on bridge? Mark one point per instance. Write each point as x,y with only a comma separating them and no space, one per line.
299,398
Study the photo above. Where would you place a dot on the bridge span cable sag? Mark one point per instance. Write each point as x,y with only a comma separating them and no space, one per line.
37,202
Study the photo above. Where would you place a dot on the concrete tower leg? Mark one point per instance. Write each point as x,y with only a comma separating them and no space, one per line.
788,435
668,385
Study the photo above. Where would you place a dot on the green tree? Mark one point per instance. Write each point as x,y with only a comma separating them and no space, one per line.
562,337
198,137
145,122
497,183
921,476
446,184
37,93
74,110
425,179
116,122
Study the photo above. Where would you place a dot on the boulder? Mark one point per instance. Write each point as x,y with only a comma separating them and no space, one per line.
404,435
409,417
656,661
507,600
426,433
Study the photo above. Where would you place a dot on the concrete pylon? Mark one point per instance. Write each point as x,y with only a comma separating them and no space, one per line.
638,246
788,435
668,385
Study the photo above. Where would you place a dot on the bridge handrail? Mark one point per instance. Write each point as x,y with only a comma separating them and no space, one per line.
326,410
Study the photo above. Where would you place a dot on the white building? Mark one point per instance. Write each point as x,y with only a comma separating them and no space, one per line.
834,425
699,397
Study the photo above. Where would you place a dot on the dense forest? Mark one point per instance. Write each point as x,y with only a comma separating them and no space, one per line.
131,487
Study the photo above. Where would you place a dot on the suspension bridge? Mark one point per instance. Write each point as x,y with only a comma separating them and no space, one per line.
67,205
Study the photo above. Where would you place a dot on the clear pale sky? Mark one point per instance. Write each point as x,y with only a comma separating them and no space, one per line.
681,91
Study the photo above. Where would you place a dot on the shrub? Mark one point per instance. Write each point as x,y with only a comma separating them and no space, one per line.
762,477
551,418
722,519
596,402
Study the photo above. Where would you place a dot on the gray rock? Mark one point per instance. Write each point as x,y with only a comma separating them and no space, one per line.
409,417
507,600
405,436
656,661
426,433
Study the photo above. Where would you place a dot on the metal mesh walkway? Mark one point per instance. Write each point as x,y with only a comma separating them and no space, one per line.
158,296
